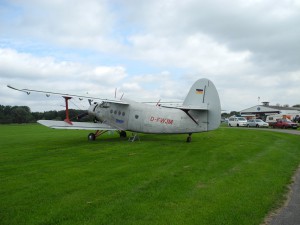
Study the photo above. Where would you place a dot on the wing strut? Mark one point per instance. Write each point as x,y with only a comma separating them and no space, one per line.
67,120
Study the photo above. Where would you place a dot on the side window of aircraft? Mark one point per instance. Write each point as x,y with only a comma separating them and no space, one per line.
123,113
136,116
115,112
111,111
119,113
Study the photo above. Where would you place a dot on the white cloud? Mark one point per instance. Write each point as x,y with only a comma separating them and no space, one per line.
247,48
197,52
86,24
46,73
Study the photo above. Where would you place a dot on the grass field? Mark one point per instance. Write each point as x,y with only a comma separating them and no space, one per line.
228,176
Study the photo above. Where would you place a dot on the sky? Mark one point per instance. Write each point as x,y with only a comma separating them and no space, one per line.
150,50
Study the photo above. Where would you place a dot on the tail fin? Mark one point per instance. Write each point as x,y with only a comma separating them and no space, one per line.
204,93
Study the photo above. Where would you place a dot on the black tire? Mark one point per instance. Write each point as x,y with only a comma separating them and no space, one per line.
123,134
237,125
189,139
257,125
91,137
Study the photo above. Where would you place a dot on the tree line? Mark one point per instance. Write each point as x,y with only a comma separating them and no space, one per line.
23,114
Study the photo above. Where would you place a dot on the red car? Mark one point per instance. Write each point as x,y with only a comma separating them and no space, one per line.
285,123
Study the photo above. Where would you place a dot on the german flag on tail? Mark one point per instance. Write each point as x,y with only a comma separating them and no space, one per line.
199,91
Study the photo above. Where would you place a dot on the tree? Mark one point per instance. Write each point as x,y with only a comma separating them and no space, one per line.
50,115
21,114
234,113
224,115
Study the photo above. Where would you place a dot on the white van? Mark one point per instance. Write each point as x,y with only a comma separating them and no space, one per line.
271,119
237,122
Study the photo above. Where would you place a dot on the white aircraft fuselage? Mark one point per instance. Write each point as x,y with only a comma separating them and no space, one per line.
200,112
144,118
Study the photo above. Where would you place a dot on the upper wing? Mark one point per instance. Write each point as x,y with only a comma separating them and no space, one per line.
28,91
75,125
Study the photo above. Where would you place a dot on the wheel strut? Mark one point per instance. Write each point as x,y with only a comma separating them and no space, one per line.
189,138
92,136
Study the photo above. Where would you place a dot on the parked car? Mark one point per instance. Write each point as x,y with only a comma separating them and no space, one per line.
257,123
237,122
285,123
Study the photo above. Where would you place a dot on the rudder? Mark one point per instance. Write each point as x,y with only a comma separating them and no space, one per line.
204,92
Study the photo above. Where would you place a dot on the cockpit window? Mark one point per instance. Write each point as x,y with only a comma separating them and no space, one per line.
104,105
95,107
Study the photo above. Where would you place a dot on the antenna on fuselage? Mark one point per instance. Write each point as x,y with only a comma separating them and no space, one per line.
157,104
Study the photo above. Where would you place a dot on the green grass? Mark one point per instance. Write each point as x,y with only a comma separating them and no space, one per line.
228,176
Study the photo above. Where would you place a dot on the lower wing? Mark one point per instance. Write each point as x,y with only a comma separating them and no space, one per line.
75,125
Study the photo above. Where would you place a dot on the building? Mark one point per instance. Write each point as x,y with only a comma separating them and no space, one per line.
264,110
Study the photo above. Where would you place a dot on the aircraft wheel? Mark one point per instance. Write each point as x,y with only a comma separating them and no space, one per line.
189,139
237,125
257,125
91,137
123,134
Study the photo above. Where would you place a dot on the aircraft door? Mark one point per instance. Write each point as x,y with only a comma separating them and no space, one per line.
136,120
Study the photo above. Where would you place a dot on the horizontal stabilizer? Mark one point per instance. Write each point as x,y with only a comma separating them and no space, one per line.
190,107
193,107
75,125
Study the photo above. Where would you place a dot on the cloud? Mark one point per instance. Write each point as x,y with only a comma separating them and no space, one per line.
266,31
24,70
26,66
247,48
67,23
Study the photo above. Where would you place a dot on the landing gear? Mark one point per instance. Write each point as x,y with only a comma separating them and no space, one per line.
189,138
123,134
91,137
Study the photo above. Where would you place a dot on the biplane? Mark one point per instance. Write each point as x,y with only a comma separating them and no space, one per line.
199,112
